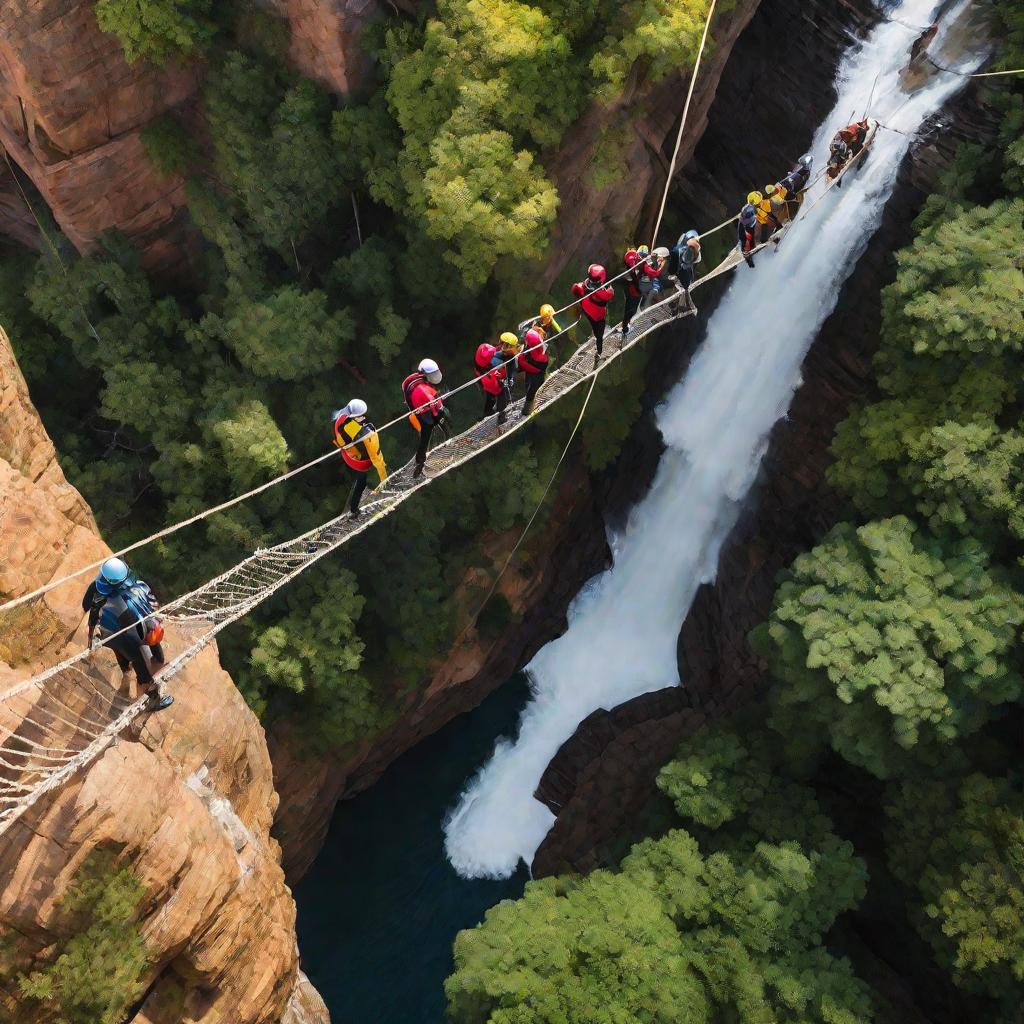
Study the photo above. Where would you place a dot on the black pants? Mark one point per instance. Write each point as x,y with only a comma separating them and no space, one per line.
500,400
358,487
598,328
533,383
129,654
629,310
426,429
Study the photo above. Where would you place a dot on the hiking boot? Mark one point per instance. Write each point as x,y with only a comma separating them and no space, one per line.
420,471
502,417
355,513
158,703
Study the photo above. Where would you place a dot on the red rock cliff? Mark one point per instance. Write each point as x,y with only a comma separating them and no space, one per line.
187,797
71,112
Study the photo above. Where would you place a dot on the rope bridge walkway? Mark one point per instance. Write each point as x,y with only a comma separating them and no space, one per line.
60,720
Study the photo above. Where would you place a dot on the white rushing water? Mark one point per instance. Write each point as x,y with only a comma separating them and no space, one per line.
623,626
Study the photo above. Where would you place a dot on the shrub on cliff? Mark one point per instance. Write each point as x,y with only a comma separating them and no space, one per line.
95,972
157,29
884,641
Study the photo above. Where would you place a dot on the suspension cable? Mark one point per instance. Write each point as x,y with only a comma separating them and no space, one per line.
682,123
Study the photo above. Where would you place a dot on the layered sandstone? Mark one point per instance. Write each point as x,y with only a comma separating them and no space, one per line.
71,114
186,797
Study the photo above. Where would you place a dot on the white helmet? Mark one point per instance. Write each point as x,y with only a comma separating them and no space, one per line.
806,161
357,407
431,371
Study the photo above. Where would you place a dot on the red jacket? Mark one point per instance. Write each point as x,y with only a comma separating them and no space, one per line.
631,259
419,392
851,133
534,360
594,300
651,271
491,377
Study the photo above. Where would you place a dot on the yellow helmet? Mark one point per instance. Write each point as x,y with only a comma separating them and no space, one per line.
510,340
754,198
770,190
547,311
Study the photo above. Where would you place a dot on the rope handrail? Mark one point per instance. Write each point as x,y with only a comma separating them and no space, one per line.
267,485
202,614
282,551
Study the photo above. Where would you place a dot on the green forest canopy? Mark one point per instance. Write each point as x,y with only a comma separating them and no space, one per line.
894,648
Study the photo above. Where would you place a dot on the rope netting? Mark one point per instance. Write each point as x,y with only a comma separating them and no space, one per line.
58,721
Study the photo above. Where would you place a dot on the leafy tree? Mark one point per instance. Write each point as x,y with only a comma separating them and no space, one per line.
967,477
96,969
157,29
661,33
287,335
959,842
673,935
884,641
273,148
253,447
315,648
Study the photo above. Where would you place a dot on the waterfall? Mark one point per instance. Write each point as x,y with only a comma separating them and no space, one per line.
624,624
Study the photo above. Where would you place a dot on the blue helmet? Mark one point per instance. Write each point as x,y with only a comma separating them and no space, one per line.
691,234
748,215
112,576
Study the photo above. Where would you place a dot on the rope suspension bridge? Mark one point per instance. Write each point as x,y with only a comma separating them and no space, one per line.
60,720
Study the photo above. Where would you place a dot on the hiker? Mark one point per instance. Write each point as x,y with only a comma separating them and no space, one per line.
360,448
778,196
544,322
633,259
509,347
533,361
594,296
651,277
839,153
746,230
854,135
547,322
492,376
796,181
767,222
426,409
117,601
683,259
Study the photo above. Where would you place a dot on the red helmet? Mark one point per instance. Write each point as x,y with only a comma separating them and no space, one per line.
484,354
532,338
597,273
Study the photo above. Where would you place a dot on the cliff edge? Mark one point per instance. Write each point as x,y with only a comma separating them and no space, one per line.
185,801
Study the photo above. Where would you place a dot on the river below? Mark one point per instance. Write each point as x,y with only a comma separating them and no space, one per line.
381,906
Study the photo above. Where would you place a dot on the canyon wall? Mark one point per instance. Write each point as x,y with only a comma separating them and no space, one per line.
185,798
71,114
601,783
